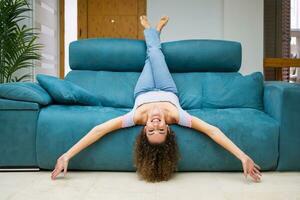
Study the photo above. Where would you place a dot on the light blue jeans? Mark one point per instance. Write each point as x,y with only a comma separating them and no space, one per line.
155,74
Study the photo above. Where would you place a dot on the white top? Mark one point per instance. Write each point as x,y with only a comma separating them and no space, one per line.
185,118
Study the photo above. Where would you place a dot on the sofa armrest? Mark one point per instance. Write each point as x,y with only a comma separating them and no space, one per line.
282,102
8,104
26,92
18,122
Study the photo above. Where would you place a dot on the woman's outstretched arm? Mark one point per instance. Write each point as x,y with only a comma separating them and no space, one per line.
95,134
249,167
92,136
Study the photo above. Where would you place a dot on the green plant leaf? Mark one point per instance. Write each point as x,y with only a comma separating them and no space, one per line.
18,44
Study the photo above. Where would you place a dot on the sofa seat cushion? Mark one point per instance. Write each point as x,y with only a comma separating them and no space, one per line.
61,126
253,131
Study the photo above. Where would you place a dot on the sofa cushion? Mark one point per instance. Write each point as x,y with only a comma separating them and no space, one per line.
128,55
25,91
233,90
196,90
78,120
252,130
66,92
189,86
255,133
115,89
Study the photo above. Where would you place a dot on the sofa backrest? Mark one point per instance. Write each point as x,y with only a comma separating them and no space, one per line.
128,55
110,67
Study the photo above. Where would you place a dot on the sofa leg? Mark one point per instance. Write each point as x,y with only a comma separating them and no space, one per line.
23,169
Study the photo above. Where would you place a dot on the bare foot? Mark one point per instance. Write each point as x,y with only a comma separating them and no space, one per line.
144,21
163,21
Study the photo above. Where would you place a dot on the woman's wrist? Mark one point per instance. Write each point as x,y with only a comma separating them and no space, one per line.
243,157
68,155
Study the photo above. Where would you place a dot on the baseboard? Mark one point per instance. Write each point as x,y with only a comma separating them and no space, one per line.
31,169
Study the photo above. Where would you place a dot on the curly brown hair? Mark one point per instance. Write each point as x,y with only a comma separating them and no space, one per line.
156,162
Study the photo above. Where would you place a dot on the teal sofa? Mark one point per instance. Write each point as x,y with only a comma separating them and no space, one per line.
261,117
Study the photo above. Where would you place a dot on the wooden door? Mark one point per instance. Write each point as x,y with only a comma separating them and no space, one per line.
110,18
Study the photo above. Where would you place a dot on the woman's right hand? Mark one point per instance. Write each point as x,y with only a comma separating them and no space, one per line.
61,165
251,168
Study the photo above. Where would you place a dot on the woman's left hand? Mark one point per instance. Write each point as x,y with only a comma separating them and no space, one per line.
251,168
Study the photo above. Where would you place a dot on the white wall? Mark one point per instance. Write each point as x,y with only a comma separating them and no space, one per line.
239,20
189,19
70,28
243,22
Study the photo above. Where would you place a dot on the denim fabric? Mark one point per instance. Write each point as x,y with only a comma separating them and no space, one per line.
155,74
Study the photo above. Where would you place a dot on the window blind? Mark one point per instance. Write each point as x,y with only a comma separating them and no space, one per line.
46,20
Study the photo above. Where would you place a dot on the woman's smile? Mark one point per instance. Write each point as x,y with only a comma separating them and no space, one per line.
156,119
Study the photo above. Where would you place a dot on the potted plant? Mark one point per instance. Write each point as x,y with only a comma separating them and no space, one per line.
18,48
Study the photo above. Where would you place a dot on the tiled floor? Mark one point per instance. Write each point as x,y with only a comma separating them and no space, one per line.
123,185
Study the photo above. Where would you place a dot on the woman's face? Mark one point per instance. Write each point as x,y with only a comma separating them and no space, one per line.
156,128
